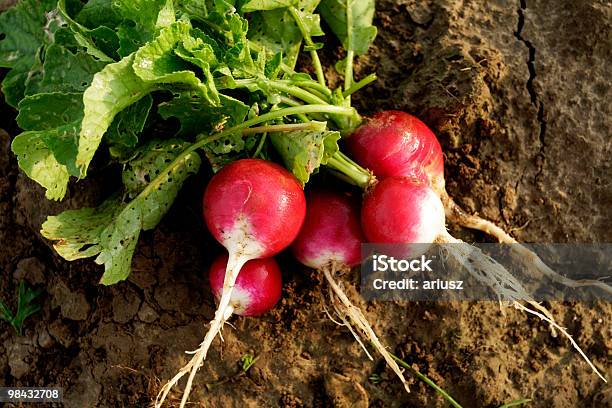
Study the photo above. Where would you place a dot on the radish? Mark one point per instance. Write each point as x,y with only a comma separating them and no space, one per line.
406,210
258,286
394,143
255,209
402,210
331,231
330,241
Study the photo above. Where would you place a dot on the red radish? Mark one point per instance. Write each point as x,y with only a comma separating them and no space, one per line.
330,241
402,210
331,233
405,210
255,209
258,286
394,143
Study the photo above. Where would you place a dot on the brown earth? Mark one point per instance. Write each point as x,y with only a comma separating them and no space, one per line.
518,93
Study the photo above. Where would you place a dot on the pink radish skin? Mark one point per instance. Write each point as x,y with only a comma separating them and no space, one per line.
402,210
394,143
258,286
332,232
255,209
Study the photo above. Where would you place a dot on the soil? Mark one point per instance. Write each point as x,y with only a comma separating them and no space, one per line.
518,93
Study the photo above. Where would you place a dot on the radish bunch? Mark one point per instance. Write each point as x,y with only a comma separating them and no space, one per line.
256,208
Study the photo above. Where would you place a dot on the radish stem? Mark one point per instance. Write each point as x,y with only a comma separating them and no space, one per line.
358,85
290,127
355,173
313,53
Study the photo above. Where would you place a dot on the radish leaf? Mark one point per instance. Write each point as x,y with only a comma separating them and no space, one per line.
111,230
37,161
52,123
275,30
259,5
101,42
112,90
198,117
21,37
304,152
351,22
127,126
64,71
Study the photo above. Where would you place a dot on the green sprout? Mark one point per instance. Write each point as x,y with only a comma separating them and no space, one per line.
26,307
247,361
375,378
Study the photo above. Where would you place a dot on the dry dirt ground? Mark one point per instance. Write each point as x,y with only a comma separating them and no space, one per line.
518,92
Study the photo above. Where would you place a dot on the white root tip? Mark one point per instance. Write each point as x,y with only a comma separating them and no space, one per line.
350,313
224,311
564,332
347,324
508,289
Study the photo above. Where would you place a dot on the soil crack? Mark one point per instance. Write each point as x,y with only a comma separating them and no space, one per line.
535,99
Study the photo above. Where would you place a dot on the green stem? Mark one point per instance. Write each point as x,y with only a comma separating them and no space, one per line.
350,54
427,381
314,85
286,127
294,110
292,102
260,145
358,85
320,95
313,53
297,92
348,70
283,86
354,172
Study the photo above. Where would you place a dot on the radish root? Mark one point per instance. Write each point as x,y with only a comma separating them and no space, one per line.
224,312
457,215
350,313
507,288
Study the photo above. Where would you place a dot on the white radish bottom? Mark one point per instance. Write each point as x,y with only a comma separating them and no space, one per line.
456,214
223,313
508,289
351,314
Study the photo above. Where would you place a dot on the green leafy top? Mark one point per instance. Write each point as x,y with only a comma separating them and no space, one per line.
146,84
